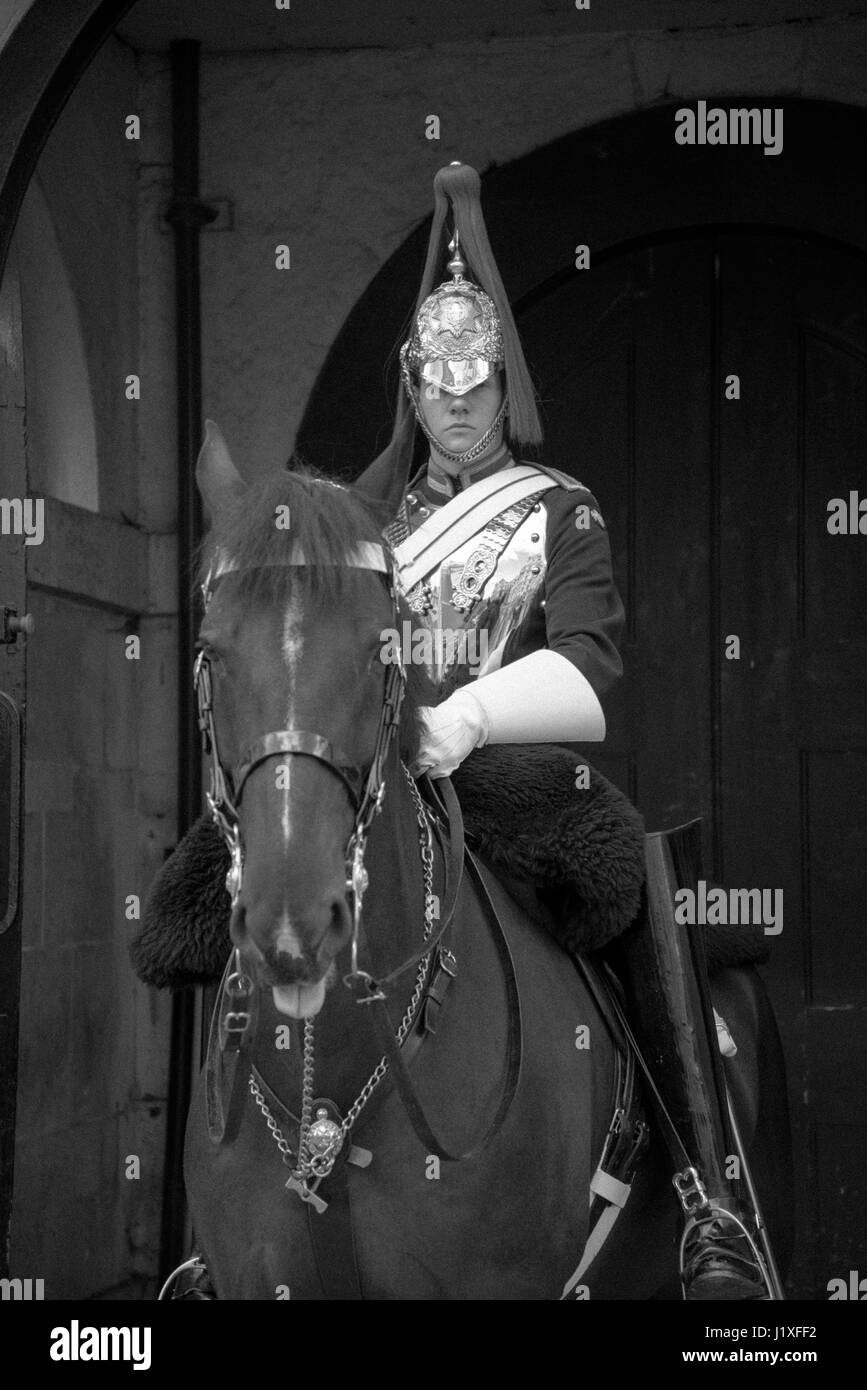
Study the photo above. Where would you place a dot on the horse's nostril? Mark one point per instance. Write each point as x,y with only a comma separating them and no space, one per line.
286,969
341,920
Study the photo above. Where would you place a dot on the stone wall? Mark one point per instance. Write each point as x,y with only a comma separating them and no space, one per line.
100,756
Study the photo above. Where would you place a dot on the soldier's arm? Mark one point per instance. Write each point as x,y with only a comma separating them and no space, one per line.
583,614
565,656
550,694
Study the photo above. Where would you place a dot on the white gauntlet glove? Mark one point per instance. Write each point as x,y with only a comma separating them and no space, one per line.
541,698
451,731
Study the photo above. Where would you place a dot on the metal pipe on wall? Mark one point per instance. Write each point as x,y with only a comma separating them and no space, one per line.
187,215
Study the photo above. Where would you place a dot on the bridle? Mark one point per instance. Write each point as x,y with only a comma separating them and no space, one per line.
366,791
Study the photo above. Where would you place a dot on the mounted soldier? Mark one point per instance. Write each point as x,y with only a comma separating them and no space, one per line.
516,556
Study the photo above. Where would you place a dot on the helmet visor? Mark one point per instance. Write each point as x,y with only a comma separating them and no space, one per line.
455,375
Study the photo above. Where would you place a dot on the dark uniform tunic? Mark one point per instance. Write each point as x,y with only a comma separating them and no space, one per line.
552,587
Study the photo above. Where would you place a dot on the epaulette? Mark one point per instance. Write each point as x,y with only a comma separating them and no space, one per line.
564,479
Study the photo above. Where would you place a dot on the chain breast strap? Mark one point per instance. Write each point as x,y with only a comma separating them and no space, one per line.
321,1138
482,563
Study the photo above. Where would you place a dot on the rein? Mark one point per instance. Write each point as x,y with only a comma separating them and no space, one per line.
321,1140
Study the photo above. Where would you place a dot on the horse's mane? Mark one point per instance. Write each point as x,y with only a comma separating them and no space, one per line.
328,521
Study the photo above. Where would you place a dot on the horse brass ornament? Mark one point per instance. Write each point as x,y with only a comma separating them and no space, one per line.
324,1140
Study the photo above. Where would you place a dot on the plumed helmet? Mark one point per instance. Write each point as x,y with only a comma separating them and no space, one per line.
463,331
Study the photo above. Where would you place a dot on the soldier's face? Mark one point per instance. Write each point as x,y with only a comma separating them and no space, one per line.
458,421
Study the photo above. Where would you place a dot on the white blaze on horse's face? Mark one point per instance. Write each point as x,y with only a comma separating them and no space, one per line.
292,645
295,1001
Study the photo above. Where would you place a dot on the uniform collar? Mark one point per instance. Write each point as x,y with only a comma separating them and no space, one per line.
440,486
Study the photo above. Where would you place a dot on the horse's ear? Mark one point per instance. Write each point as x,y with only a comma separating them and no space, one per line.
218,479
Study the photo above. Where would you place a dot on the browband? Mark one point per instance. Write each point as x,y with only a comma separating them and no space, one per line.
367,555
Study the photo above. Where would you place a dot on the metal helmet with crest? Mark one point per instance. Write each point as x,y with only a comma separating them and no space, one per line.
462,332
457,338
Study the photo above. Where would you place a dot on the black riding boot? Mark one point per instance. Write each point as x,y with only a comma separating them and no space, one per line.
661,966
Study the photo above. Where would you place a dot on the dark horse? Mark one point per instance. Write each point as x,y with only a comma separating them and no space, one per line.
298,646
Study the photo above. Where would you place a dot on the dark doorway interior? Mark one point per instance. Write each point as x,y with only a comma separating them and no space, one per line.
718,512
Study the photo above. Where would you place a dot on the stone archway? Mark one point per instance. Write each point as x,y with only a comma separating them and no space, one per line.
49,48
62,451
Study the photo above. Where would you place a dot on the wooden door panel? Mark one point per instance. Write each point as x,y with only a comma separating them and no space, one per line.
839,1156
717,511
835,428
615,419
672,536
582,353
792,441
836,807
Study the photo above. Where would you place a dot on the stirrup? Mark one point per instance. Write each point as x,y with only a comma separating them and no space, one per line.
199,1288
715,1271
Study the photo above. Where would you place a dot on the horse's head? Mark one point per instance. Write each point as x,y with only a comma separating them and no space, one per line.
294,637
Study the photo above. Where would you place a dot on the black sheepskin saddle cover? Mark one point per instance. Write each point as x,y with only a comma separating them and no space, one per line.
574,858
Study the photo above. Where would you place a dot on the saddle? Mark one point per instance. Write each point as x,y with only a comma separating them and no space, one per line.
571,854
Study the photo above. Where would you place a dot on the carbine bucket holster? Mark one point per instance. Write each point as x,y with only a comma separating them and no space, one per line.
661,965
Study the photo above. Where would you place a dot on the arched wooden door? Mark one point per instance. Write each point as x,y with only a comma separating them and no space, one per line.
718,514
706,266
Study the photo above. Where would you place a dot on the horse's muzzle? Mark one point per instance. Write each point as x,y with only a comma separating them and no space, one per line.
288,951
276,968
285,958
298,982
